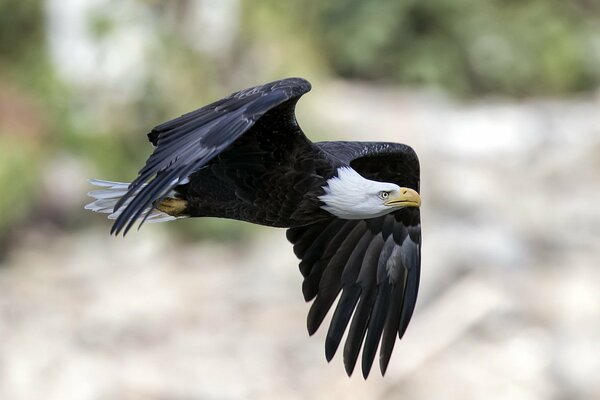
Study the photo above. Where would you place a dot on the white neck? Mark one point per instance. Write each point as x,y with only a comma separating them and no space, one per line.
351,196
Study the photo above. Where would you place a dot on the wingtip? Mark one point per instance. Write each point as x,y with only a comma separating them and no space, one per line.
387,348
366,369
383,364
117,229
349,367
113,230
310,325
331,347
368,358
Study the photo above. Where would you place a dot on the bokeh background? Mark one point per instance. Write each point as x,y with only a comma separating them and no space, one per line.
499,98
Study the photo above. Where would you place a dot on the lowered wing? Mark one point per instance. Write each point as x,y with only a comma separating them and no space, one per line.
374,263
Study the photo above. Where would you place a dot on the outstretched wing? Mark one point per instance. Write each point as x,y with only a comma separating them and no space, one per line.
374,263
189,142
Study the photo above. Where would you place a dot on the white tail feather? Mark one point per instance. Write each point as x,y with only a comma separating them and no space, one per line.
107,198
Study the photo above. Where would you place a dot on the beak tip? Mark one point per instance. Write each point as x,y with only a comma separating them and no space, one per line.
408,198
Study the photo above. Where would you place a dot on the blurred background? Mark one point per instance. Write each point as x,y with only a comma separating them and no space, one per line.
499,98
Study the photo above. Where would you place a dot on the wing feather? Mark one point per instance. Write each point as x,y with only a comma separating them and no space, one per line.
187,143
375,264
381,307
330,284
367,279
311,284
351,290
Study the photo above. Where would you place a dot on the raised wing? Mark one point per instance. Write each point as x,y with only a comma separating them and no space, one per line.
189,142
374,263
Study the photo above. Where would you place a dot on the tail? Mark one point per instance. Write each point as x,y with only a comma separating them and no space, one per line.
106,199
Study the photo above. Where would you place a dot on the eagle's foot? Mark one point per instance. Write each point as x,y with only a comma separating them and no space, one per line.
172,206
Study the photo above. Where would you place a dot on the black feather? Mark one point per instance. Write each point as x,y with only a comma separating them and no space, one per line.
390,330
367,279
343,311
330,283
411,261
340,319
319,244
311,284
358,328
307,238
380,309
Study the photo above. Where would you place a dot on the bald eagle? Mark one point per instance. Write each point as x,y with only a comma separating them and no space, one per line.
351,209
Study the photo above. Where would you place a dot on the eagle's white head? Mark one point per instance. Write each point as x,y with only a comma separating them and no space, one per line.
351,196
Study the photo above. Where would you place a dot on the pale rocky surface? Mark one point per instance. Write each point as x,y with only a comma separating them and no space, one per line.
509,306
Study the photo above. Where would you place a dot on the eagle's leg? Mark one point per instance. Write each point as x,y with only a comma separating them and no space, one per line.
172,206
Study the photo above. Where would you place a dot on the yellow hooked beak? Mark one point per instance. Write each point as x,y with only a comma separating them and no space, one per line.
405,197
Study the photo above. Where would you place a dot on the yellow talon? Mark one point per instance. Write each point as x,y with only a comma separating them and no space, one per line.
173,207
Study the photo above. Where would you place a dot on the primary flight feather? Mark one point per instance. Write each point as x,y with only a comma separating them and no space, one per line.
351,208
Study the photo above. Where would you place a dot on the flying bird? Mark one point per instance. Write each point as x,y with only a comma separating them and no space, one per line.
351,209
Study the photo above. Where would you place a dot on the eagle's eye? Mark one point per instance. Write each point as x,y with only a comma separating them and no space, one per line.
384,195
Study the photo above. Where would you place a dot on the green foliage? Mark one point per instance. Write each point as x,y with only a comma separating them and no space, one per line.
19,173
518,48
24,86
21,28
